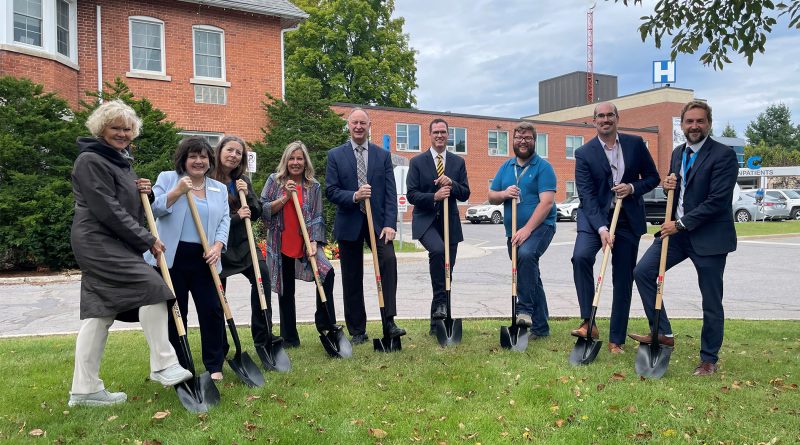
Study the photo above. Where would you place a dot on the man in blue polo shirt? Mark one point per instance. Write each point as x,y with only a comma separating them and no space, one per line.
532,182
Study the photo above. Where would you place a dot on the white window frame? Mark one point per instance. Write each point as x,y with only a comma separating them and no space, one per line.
543,153
567,187
147,73
49,47
205,134
574,149
41,25
452,148
215,81
407,145
497,139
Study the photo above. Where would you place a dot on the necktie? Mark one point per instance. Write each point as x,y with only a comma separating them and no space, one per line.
688,161
361,168
439,165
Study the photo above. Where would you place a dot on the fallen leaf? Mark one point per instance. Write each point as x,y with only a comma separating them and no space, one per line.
511,402
112,418
36,433
601,386
377,433
151,442
617,376
725,390
560,422
669,433
358,422
527,435
630,409
251,397
564,379
504,434
249,426
461,426
160,415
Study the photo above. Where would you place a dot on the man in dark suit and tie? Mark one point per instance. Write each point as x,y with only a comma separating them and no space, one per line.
611,166
358,170
434,175
702,230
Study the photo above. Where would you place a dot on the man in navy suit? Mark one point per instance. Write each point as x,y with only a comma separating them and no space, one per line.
434,175
611,166
358,170
702,231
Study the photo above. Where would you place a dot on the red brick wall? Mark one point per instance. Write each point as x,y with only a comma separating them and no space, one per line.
56,76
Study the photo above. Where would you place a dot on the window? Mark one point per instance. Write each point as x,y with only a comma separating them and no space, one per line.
457,140
498,143
147,45
209,52
541,144
212,138
28,22
208,94
407,137
573,143
62,27
570,188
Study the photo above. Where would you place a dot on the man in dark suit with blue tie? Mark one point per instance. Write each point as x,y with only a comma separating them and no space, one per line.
358,170
702,231
434,175
611,166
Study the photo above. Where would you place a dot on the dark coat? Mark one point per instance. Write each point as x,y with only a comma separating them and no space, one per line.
108,235
421,174
237,257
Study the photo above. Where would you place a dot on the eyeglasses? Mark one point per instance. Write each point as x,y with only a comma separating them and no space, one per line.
605,115
439,132
525,138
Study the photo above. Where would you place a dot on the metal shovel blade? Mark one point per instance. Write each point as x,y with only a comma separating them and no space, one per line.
585,351
514,338
387,344
273,355
336,343
652,360
247,371
448,331
198,393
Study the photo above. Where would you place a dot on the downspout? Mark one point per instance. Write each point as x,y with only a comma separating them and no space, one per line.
99,55
283,60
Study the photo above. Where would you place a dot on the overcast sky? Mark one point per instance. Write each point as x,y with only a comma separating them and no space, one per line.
487,57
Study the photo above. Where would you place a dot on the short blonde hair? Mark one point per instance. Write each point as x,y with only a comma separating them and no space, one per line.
113,111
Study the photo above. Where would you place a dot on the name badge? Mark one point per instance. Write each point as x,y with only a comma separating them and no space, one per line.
213,189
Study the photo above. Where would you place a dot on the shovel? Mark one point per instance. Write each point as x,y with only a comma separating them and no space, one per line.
273,355
333,339
514,337
586,348
652,360
387,343
448,331
197,393
241,363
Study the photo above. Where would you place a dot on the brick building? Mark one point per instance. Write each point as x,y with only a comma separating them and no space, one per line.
206,63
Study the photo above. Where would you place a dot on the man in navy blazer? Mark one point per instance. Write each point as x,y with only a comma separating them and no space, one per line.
611,165
702,230
427,190
345,189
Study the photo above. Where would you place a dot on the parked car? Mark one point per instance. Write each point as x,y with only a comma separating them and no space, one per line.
747,209
790,197
655,206
568,209
485,212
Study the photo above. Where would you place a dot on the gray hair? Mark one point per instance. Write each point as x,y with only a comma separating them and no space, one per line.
110,112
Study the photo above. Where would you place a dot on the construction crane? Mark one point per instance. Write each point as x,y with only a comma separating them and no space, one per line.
590,54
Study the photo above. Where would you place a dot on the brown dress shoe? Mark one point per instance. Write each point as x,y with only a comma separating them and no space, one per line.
705,368
647,339
615,348
581,331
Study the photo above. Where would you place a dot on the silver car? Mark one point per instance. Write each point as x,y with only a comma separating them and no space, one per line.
747,209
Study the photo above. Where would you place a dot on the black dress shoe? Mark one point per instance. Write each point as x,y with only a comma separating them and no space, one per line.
440,313
392,330
359,338
291,343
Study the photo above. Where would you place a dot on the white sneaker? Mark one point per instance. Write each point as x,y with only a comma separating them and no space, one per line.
524,320
171,375
99,398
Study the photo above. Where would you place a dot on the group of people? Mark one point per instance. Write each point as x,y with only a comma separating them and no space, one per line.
118,255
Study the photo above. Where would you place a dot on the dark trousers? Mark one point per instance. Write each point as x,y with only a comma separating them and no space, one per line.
190,273
258,323
623,260
531,297
287,303
433,241
710,269
351,254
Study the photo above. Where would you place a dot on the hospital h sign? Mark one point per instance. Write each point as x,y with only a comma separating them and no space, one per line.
664,71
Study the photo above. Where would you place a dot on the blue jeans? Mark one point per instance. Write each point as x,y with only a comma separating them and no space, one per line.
530,291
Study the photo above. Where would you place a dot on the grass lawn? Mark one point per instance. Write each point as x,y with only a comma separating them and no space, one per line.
472,393
756,228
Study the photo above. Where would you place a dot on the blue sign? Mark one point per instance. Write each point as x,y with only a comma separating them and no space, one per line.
387,142
754,162
664,71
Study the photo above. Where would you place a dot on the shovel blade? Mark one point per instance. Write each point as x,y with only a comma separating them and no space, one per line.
448,331
247,371
585,351
387,344
514,338
336,343
273,355
198,393
652,360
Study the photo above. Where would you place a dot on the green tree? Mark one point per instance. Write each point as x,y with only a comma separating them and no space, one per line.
356,51
773,156
774,128
37,136
738,25
729,131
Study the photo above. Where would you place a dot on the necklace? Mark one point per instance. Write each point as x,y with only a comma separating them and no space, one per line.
200,187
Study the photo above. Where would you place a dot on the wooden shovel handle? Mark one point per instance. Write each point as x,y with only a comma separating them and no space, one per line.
312,259
446,209
262,299
162,264
373,247
606,253
662,263
212,267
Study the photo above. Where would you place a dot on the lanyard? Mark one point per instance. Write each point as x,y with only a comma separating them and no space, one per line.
517,176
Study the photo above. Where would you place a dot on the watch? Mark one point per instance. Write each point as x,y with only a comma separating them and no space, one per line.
679,225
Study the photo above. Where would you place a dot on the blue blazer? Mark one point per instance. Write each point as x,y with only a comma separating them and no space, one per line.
169,220
707,208
594,182
421,174
341,182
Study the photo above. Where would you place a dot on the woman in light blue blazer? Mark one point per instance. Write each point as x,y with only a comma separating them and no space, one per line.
187,262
